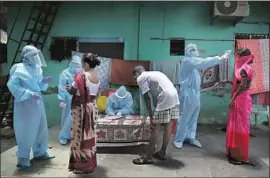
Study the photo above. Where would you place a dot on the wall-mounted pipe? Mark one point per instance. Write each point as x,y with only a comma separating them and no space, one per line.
190,39
164,22
200,39
255,23
140,5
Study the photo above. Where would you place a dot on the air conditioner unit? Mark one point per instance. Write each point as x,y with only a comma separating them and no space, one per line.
231,8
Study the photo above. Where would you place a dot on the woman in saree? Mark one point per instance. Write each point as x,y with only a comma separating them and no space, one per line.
84,114
238,124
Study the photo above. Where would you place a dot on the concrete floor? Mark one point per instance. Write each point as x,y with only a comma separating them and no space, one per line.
7,144
210,161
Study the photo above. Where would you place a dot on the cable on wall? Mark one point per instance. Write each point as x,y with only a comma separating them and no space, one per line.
140,5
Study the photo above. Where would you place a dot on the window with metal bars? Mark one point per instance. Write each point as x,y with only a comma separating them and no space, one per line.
114,50
177,47
61,47
3,16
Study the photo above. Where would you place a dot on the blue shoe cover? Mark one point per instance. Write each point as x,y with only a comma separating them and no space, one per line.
45,157
194,142
23,163
178,145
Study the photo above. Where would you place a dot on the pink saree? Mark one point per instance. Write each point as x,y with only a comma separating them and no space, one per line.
238,124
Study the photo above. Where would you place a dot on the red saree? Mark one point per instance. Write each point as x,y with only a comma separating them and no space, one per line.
238,124
83,142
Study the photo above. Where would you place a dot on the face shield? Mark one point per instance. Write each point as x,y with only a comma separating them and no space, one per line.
33,56
121,92
75,65
75,68
192,51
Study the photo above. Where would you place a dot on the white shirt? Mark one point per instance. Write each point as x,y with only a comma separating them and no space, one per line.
92,87
160,87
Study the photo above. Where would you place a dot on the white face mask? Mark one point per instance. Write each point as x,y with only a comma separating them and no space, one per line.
75,70
194,53
75,67
33,61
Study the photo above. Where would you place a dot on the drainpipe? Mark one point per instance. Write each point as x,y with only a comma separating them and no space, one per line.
140,4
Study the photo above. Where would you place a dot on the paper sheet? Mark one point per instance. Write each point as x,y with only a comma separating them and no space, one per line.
114,117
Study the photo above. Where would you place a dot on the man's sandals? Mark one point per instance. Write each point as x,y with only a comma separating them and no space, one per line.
143,160
158,155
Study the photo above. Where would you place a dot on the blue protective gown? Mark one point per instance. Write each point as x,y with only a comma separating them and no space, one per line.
122,105
65,78
30,122
190,84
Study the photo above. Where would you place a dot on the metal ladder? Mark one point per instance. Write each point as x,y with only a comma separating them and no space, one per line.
35,33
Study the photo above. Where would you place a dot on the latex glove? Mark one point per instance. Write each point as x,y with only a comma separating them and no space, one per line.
119,114
111,113
68,87
221,83
224,57
47,79
36,96
227,54
217,84
62,105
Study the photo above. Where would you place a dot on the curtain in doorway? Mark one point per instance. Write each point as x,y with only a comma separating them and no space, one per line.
260,84
103,70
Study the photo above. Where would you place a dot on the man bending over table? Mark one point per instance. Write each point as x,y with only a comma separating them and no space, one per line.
162,91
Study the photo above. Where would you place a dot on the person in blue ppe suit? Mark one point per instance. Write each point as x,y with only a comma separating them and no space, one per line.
120,103
65,79
190,83
30,123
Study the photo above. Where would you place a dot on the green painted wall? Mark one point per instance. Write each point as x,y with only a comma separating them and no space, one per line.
120,19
